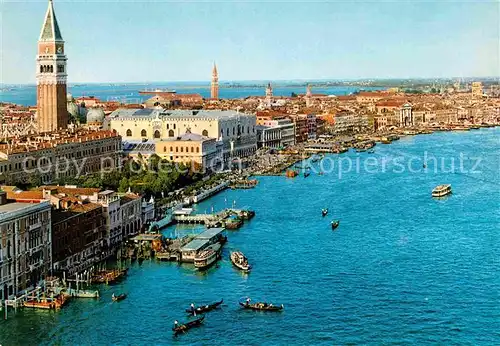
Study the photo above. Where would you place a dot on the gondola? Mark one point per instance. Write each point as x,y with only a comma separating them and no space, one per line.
335,224
119,297
306,174
204,308
261,306
182,328
324,212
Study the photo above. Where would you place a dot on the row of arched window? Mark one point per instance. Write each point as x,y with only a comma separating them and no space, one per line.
235,131
50,68
46,68
157,133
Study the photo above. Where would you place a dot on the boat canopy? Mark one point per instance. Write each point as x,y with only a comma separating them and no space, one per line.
210,233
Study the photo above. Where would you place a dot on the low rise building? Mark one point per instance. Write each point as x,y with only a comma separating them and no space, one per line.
79,232
44,159
131,214
25,246
277,133
301,127
235,130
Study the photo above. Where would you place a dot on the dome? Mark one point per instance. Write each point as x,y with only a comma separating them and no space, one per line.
69,97
73,109
95,115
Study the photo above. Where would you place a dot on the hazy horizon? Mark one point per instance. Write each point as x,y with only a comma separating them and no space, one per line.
179,41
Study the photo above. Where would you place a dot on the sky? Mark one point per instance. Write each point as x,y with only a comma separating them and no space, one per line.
158,40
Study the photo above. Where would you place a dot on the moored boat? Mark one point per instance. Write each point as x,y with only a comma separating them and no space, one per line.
261,306
247,214
240,261
233,222
441,190
207,257
291,173
204,308
184,327
335,224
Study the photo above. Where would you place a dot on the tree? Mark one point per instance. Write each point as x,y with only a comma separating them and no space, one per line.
124,185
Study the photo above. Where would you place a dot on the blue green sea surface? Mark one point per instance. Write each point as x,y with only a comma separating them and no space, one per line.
402,268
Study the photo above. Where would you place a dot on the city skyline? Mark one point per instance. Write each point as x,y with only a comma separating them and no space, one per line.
472,41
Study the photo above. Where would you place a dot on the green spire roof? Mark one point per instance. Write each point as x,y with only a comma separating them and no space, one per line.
50,28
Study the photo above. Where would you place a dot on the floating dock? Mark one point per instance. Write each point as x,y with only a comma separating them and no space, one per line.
201,242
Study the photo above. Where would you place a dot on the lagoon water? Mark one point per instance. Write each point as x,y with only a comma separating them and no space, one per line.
402,268
129,92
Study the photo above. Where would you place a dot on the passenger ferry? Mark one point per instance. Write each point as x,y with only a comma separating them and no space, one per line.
207,257
441,190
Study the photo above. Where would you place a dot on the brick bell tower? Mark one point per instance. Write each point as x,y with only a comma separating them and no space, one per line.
214,87
52,114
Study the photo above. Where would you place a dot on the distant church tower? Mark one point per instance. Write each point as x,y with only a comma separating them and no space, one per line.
214,88
269,90
52,113
308,96
269,95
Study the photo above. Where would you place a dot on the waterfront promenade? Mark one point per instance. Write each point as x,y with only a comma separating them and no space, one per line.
401,268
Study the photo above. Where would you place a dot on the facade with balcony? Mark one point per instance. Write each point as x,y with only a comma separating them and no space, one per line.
25,246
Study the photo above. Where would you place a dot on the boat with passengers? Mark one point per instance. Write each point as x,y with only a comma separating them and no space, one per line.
441,190
206,258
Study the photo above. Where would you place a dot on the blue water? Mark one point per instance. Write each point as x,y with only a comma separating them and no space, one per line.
128,93
402,268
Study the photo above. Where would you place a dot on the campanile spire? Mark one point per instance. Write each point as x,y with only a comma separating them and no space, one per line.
214,88
52,114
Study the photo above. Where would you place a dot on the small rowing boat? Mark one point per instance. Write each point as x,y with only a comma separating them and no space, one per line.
335,224
118,297
182,328
203,308
240,261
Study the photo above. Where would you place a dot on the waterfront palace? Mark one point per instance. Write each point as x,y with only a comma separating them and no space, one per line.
26,244
234,133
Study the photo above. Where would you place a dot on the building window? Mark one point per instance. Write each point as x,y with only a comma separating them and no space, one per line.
227,132
164,149
197,149
204,133
167,126
234,131
129,133
192,149
221,133
171,133
171,149
144,133
182,149
174,126
187,150
157,134
176,149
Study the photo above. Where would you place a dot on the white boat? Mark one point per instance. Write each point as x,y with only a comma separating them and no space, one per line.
441,190
240,261
205,258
